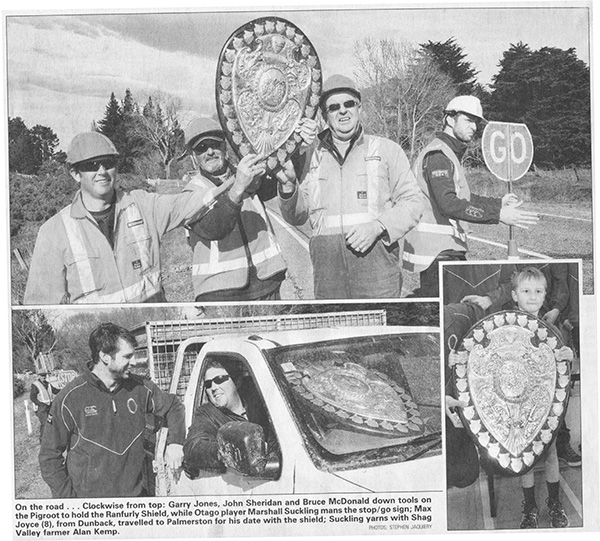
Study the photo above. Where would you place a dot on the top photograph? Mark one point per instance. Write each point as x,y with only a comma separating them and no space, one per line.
214,156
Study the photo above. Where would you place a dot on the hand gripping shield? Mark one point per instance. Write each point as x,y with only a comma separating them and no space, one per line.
268,78
514,373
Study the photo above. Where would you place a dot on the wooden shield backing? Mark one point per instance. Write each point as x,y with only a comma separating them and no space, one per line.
364,399
268,78
514,372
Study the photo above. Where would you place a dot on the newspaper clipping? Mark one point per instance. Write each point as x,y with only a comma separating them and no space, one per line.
300,271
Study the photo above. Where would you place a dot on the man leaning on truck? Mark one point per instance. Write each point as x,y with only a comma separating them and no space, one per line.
99,420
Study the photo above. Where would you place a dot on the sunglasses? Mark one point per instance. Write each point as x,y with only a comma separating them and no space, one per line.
203,146
218,380
337,106
94,165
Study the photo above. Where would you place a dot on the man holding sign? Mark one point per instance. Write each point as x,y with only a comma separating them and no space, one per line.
441,234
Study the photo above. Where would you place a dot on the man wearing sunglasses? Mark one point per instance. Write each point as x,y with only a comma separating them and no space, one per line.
361,197
228,400
236,255
442,232
105,246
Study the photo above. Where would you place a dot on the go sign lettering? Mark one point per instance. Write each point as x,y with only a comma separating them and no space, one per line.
507,149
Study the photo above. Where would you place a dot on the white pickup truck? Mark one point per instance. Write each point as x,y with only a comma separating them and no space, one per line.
351,410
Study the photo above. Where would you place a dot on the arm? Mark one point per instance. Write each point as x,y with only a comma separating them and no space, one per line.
497,297
438,171
33,396
170,407
219,221
46,282
201,450
406,197
558,291
293,197
55,441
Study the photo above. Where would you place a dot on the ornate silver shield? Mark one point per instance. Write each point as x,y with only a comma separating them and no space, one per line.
268,78
514,372
366,399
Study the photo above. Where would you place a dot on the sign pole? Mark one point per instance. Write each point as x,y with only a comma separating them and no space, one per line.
513,248
508,154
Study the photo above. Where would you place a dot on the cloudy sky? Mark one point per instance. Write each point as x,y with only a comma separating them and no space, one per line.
62,67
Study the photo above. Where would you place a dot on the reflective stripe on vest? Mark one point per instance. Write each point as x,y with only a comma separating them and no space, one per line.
44,395
339,221
215,265
145,286
441,229
429,238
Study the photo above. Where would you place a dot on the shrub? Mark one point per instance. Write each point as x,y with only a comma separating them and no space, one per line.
18,386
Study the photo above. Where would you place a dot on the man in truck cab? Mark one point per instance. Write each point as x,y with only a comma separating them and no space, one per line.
231,397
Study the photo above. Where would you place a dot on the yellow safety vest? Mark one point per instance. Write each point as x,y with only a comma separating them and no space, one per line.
223,264
435,233
46,396
357,199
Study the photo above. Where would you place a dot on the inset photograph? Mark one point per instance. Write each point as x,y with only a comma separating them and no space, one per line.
254,399
513,402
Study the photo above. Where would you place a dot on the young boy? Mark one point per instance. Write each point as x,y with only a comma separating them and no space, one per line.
529,292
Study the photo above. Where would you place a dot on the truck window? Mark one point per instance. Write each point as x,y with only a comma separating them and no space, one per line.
211,410
355,396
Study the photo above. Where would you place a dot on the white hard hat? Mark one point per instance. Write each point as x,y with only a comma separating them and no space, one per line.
466,104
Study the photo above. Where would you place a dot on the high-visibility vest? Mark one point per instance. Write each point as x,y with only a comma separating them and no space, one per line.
45,395
353,197
435,233
224,264
134,286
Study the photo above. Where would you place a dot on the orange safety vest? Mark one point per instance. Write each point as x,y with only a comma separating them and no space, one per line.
358,199
435,233
45,396
224,264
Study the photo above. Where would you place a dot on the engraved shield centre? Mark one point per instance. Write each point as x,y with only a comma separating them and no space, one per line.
269,77
514,373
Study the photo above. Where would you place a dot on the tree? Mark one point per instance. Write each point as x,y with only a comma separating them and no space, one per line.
450,58
161,128
549,90
404,92
32,335
29,148
111,124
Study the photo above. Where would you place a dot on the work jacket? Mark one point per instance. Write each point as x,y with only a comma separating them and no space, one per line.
449,205
102,432
73,262
247,239
372,182
40,393
435,232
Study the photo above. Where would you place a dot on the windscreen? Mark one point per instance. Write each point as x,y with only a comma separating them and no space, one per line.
362,394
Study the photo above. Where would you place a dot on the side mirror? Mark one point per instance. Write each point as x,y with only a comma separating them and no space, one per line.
242,447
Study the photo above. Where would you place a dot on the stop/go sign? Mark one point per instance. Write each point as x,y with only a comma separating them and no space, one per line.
507,149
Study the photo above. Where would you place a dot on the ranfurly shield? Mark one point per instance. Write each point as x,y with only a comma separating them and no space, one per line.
363,399
268,78
514,373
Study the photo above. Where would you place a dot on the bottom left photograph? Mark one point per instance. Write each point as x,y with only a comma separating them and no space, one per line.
229,400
